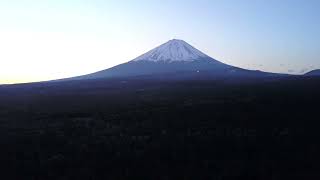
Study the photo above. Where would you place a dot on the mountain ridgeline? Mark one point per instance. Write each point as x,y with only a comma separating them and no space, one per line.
173,59
313,73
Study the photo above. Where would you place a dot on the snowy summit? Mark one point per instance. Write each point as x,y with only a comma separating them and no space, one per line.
173,50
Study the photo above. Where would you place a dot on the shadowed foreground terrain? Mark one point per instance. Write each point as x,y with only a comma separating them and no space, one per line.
154,129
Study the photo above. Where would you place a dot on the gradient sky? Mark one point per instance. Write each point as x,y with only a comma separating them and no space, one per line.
49,39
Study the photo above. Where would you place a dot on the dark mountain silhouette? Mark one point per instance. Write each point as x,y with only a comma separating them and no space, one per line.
313,73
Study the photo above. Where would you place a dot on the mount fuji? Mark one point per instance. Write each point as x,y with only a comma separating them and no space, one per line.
173,59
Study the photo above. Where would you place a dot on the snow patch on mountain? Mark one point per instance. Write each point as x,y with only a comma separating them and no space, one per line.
173,50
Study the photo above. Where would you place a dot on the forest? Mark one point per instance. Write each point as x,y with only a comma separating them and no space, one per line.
129,128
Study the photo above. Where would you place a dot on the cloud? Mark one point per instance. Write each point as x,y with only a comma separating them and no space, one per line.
304,70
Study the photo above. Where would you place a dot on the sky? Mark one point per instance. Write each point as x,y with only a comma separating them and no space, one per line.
50,39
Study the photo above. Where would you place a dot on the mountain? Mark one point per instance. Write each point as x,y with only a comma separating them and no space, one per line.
173,59
313,73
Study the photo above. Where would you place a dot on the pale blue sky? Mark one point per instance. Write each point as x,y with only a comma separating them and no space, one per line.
49,39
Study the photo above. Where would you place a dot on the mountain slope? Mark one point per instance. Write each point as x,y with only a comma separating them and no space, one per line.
315,72
173,58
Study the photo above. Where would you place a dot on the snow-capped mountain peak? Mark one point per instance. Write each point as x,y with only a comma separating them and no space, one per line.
174,59
173,50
